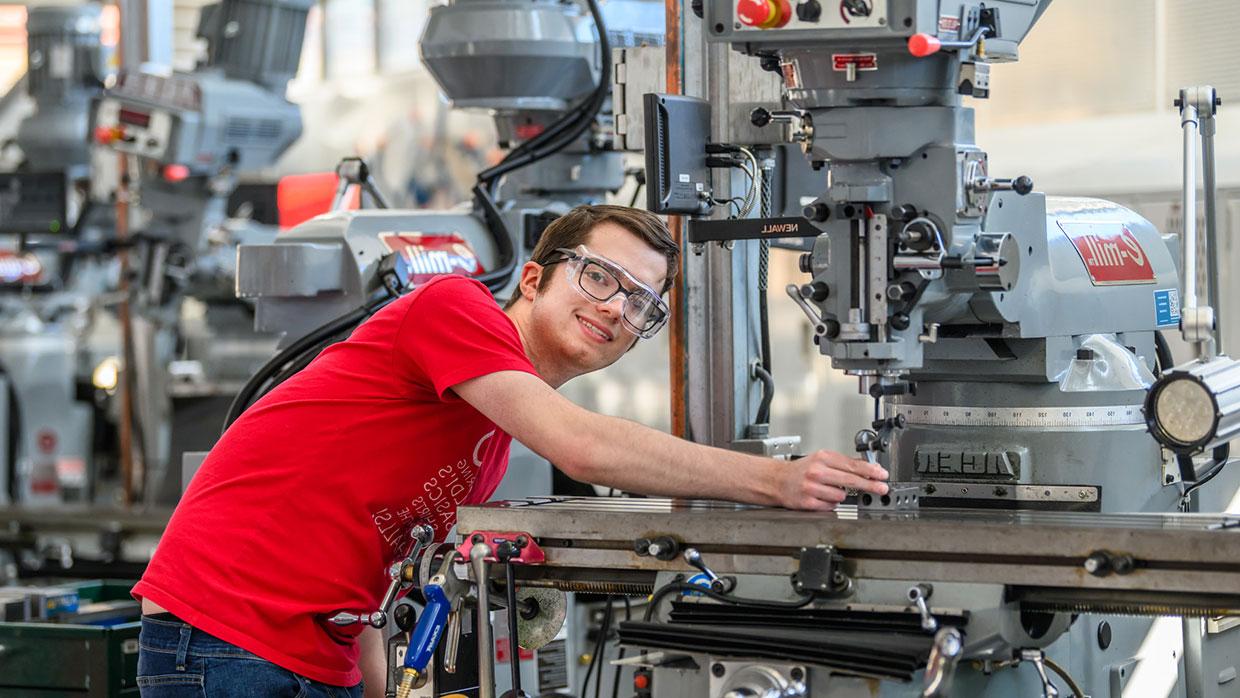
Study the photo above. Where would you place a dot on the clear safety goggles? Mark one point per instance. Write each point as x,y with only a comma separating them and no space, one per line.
599,279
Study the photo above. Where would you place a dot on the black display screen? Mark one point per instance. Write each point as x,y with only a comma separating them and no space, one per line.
135,118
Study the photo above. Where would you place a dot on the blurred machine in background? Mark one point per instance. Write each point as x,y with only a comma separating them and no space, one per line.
54,270
186,138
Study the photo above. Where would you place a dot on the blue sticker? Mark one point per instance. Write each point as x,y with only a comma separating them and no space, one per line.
1167,307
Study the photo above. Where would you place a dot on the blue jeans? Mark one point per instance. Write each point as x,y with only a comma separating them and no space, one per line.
176,660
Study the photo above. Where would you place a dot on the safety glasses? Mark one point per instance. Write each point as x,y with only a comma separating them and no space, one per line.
599,279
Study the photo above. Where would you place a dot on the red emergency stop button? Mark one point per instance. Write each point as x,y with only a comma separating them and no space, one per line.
106,135
641,682
764,14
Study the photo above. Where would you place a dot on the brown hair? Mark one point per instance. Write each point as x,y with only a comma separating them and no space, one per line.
572,229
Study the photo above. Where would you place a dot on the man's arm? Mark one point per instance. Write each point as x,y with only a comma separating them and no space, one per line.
618,453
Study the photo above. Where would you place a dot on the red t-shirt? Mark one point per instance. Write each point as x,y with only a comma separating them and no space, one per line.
308,498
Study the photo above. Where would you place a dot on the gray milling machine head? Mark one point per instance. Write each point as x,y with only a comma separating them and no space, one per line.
527,62
193,133
1024,323
66,69
920,240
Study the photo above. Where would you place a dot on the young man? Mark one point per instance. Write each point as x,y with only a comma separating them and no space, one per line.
306,500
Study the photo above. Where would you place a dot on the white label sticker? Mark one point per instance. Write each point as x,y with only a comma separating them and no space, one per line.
684,178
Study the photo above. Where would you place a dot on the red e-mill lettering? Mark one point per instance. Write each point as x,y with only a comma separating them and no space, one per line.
1110,252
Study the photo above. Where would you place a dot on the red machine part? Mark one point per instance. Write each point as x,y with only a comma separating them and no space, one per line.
922,45
528,551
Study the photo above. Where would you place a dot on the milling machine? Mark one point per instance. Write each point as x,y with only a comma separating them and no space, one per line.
54,266
186,137
1009,340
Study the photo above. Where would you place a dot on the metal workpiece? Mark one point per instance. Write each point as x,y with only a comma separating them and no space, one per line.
1190,556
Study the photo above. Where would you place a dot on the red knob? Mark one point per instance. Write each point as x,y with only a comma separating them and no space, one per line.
176,173
922,45
755,13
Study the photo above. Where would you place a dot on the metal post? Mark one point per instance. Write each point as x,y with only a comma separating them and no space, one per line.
1192,658
486,650
1213,251
1188,122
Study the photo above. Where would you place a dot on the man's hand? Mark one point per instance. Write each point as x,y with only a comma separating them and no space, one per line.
818,480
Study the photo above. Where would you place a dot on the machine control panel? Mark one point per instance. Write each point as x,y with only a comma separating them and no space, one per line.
749,16
133,129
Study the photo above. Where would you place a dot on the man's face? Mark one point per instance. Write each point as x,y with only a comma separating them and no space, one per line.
584,334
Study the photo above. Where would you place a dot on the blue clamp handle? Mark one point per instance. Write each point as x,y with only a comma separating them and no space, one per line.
430,627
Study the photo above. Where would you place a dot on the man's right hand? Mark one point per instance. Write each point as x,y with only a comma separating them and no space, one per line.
817,481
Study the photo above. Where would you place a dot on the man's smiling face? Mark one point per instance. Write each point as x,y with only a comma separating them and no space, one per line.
584,334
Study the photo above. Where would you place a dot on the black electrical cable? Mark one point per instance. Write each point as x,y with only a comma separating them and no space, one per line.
296,352
14,435
1162,352
663,591
496,279
604,628
764,318
637,192
768,393
1221,455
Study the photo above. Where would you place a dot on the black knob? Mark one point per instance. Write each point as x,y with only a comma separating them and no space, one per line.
1104,635
809,11
405,614
759,117
1022,185
816,291
899,321
904,212
806,263
818,211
